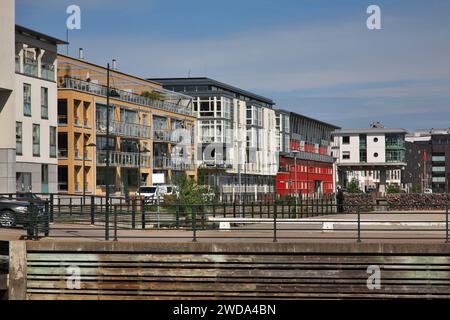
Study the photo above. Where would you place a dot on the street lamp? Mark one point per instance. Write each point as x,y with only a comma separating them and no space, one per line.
295,177
89,145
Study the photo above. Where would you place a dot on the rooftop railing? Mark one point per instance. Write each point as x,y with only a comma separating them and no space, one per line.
71,83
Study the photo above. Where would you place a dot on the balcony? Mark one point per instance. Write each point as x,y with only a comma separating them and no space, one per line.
218,164
124,159
165,163
71,83
30,68
124,129
48,72
164,135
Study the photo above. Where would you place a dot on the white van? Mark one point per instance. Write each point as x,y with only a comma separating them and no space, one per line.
150,193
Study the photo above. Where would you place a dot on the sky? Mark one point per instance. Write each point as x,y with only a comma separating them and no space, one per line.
313,57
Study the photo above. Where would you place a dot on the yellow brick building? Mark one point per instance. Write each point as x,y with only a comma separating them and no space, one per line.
151,130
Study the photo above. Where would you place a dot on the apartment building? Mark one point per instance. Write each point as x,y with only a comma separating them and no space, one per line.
36,111
151,130
427,158
306,164
370,179
237,137
7,99
372,149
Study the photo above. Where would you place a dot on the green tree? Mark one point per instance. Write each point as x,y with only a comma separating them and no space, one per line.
353,187
392,188
416,188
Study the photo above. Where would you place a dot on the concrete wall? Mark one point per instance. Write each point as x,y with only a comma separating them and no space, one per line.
7,116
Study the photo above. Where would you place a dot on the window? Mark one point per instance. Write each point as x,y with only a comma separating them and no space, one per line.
346,155
36,140
346,140
44,103
53,142
23,181
27,99
375,154
102,176
19,138
375,140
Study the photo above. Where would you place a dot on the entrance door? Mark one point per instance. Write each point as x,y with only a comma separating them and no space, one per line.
44,178
23,181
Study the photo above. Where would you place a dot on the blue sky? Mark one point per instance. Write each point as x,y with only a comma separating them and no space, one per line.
314,57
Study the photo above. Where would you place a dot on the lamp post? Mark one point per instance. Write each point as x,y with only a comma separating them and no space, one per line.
107,156
89,145
295,177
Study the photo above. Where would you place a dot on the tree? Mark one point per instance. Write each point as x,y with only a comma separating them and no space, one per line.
353,187
416,188
153,95
392,188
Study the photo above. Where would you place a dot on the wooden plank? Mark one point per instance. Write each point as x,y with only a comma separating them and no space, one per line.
3,282
17,270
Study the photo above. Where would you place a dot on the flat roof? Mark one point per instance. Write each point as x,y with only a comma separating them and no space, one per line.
306,117
209,81
39,35
368,130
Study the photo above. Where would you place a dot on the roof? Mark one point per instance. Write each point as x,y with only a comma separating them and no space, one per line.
368,130
209,81
306,117
41,36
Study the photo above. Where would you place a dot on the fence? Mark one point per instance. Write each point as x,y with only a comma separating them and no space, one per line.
272,221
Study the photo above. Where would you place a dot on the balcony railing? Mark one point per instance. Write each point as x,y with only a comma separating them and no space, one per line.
173,164
124,159
71,83
17,63
166,135
63,186
48,72
124,129
30,68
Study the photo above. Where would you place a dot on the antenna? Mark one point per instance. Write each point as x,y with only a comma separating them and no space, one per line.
189,73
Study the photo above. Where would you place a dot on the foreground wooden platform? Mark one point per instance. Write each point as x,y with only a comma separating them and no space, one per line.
235,270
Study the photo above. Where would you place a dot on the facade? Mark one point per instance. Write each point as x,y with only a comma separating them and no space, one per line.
151,130
370,179
36,111
7,98
306,164
373,149
237,138
427,157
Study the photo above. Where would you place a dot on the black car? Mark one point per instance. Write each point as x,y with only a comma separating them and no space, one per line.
14,213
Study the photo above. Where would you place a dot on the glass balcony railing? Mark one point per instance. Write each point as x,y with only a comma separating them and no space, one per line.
173,164
17,64
48,72
71,83
124,159
164,135
124,129
30,68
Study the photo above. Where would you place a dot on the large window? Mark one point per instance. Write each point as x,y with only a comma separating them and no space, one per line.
19,138
44,103
254,116
27,99
53,142
345,140
36,140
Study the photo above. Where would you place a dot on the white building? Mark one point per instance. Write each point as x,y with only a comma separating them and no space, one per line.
237,137
7,115
368,150
35,111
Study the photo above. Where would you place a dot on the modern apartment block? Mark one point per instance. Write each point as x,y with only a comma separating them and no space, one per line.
427,158
36,111
151,130
237,137
306,164
7,99
372,149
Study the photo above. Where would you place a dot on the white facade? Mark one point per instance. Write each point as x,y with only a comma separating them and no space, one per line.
7,116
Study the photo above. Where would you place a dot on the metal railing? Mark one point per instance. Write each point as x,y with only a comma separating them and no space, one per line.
76,84
124,159
124,129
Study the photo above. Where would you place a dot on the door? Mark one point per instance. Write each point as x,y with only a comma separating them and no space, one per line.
44,178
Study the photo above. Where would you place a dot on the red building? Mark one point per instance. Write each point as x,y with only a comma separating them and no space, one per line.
306,164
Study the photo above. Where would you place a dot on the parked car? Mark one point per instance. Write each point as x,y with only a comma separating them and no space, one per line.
13,212
150,193
428,191
31,197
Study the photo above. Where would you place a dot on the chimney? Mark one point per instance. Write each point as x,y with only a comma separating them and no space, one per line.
81,54
114,64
